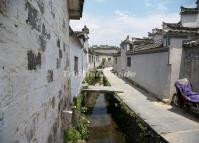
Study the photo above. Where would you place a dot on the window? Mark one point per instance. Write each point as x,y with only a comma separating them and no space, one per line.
115,60
76,65
167,40
128,61
131,47
109,59
90,60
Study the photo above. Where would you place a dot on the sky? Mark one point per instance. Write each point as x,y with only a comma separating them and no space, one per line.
110,21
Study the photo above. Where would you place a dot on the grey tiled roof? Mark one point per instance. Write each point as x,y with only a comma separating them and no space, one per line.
154,45
178,28
189,10
192,43
155,31
178,31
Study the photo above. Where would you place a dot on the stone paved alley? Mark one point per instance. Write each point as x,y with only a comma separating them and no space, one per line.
173,127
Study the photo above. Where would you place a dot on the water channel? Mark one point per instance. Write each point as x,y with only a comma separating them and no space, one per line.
102,129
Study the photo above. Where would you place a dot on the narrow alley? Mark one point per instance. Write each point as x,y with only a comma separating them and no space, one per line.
99,71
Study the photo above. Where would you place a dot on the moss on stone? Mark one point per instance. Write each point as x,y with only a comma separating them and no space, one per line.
130,123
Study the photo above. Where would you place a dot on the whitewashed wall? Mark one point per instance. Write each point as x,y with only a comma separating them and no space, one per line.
107,63
152,72
157,72
121,66
175,58
85,56
91,64
190,20
85,63
124,59
76,49
117,66
32,100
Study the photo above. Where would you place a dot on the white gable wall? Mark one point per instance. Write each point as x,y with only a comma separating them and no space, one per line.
190,20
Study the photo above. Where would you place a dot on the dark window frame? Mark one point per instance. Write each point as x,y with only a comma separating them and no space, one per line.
76,68
128,61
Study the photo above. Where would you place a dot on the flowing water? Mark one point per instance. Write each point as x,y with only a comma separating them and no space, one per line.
102,129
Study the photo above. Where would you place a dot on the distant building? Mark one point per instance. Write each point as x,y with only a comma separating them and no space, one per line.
105,54
158,60
93,59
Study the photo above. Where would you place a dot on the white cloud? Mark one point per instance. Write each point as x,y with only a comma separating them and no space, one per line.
111,30
121,13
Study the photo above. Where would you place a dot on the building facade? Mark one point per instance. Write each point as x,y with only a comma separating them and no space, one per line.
93,59
157,61
105,54
78,59
34,55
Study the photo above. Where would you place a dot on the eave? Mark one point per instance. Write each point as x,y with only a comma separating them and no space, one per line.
181,32
75,37
189,10
154,50
75,9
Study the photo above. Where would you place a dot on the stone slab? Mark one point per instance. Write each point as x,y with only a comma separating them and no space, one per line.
173,127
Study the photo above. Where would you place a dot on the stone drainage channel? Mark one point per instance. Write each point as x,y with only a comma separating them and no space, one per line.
111,121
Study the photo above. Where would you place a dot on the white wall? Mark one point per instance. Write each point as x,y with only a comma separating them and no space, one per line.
123,59
31,102
121,66
76,49
117,66
85,63
175,58
107,63
93,62
86,58
190,20
156,72
152,72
